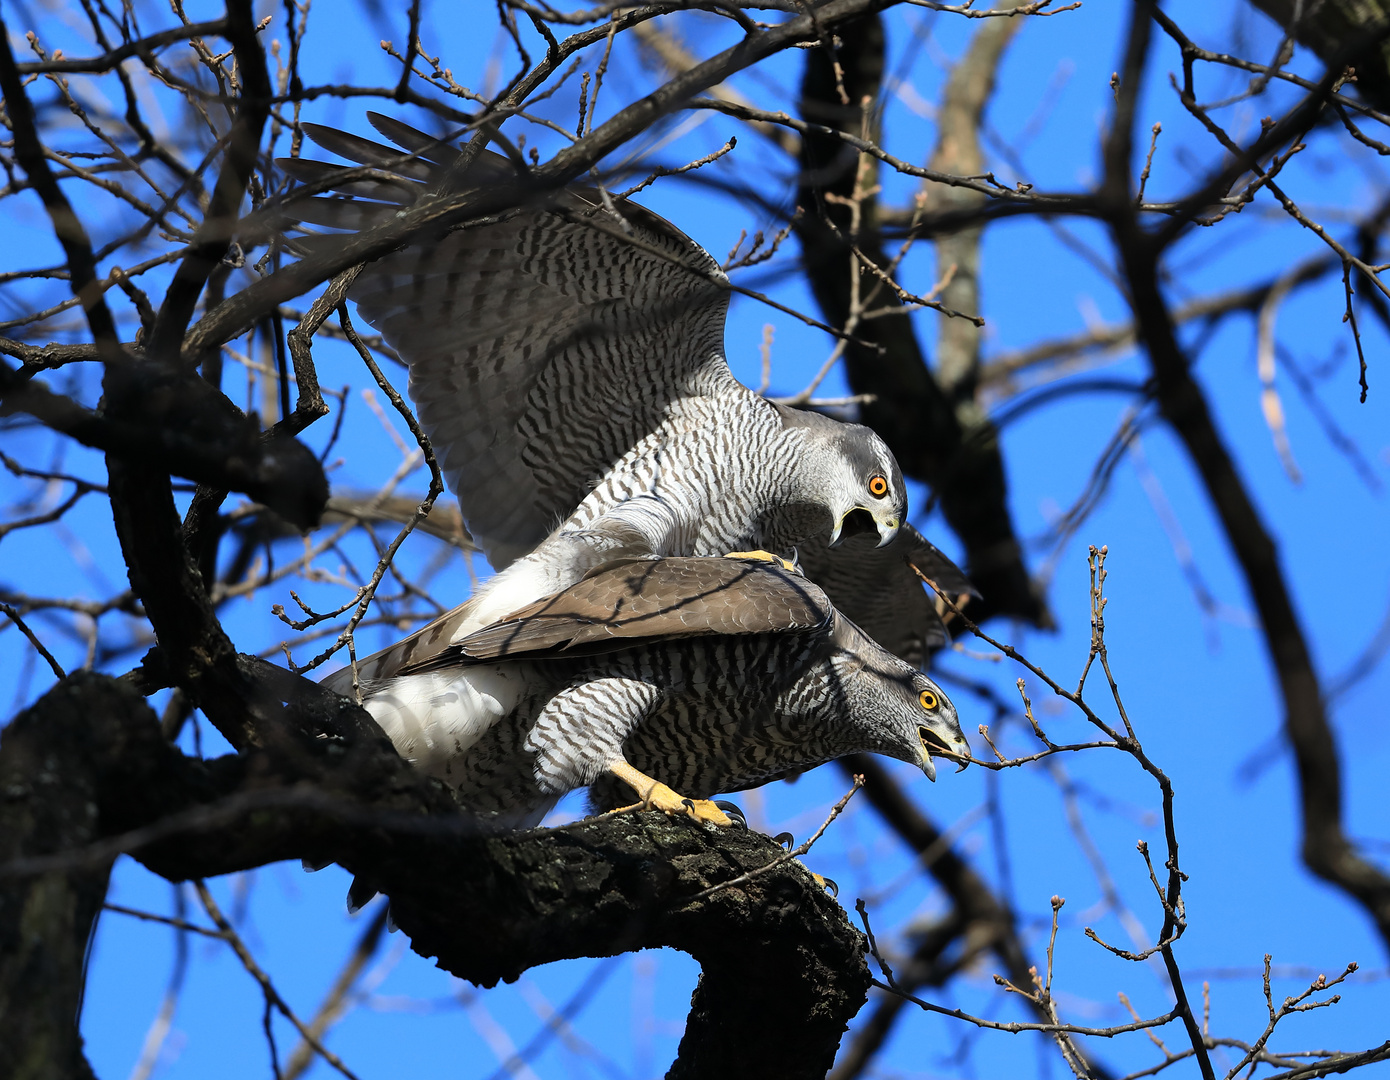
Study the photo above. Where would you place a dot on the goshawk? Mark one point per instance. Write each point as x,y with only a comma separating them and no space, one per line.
677,675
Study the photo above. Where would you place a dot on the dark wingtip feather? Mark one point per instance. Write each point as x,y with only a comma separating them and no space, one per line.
400,192
366,152
413,139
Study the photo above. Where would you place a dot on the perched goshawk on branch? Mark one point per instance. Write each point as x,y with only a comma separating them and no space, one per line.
678,675
567,362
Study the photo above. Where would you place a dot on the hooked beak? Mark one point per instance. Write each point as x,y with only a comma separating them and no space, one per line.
861,519
934,745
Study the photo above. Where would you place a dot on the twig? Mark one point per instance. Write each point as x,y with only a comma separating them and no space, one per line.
272,996
1013,1026
336,1001
14,617
678,170
1148,164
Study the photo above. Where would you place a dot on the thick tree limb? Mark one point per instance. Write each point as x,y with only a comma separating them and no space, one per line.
963,101
1330,27
219,222
183,426
783,971
48,804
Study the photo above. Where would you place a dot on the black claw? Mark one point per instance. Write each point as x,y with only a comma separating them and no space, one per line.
733,810
831,886
786,839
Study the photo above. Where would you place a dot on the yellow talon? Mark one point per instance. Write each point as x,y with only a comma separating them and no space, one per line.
657,796
763,556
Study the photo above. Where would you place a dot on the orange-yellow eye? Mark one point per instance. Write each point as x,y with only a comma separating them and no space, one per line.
878,486
928,699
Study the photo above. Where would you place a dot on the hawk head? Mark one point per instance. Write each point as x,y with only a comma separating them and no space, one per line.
893,708
850,471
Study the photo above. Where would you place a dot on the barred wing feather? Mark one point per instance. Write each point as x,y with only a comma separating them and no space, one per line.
543,344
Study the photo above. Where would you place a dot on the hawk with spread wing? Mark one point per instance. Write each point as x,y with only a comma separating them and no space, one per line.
567,362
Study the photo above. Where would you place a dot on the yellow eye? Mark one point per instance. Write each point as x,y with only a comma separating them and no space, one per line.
878,486
928,699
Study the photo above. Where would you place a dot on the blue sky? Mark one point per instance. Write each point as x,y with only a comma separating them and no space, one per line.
1198,687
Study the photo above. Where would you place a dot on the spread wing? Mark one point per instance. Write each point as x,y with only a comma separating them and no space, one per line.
877,588
543,344
648,601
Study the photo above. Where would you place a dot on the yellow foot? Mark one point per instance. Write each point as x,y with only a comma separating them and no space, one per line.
657,796
763,556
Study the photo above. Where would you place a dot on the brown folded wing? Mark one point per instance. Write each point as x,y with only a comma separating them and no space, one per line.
650,601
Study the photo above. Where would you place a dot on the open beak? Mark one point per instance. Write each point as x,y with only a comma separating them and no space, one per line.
863,520
934,745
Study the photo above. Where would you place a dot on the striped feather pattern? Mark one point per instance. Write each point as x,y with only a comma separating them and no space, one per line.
703,715
541,348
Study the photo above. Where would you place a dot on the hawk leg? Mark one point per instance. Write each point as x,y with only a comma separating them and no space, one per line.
763,556
657,796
